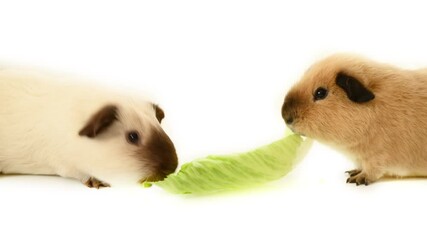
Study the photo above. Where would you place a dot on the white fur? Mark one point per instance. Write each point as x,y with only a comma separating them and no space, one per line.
40,119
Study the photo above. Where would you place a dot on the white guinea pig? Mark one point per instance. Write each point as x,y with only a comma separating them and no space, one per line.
99,137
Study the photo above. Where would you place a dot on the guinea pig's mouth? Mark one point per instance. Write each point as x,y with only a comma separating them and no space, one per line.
154,178
292,128
151,179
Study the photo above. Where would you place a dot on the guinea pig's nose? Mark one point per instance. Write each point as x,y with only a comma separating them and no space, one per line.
287,114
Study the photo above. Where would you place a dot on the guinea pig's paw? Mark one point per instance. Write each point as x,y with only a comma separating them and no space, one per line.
95,183
353,172
358,177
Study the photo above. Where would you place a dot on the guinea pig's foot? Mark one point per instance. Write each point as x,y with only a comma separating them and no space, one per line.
358,179
95,183
353,172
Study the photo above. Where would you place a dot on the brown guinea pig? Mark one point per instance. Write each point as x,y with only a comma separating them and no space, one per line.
374,112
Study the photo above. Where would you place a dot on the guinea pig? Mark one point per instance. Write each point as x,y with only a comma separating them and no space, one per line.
98,136
374,112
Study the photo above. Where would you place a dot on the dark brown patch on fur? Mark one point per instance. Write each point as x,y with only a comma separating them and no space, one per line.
354,89
160,114
161,153
100,121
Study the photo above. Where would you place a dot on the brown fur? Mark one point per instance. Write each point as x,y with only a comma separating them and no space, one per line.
164,157
160,114
100,121
386,135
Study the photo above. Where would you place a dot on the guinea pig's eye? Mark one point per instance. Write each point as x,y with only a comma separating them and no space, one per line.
320,94
133,137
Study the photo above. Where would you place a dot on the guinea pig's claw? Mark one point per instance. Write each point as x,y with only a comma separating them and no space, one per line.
95,183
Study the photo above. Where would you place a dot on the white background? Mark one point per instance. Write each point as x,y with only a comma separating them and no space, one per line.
220,70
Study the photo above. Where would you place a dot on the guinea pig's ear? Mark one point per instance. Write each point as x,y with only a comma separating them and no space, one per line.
100,121
354,89
160,114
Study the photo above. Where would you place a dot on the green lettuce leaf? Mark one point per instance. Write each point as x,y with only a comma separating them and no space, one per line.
236,171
